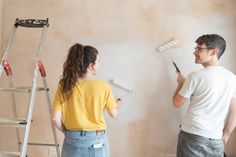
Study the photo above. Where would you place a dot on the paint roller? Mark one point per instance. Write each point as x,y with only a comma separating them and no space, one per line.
168,45
123,86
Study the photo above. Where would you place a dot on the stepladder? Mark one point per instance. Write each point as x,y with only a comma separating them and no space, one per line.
22,124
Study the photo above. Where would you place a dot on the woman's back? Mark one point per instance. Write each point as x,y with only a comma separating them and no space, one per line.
83,110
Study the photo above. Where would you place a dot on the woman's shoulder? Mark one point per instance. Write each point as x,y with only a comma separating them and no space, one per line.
101,83
94,84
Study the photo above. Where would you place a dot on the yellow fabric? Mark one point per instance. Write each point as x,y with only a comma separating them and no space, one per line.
84,109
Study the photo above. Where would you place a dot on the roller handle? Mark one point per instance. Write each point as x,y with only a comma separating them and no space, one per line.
176,67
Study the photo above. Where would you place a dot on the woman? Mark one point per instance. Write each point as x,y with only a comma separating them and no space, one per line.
78,106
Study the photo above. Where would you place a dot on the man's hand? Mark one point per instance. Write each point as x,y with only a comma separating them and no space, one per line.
230,121
180,79
179,100
225,138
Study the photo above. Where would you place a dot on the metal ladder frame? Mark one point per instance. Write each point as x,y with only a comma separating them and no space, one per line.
31,23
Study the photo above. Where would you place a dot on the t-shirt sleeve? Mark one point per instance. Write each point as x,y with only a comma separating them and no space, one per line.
57,102
110,99
188,87
234,95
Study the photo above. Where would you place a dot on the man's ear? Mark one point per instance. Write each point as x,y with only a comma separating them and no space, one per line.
214,52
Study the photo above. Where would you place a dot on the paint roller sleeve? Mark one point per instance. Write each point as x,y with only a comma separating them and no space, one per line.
121,85
168,45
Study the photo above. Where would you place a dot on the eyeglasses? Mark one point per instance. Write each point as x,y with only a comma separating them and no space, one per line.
201,48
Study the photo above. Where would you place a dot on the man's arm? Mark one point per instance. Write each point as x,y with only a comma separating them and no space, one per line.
179,100
230,121
57,120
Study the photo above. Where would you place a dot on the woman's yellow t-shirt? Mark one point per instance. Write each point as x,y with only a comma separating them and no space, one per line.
84,108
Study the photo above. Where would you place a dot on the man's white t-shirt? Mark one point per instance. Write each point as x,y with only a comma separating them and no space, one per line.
210,91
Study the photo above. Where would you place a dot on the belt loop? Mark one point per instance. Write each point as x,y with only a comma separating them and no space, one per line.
82,133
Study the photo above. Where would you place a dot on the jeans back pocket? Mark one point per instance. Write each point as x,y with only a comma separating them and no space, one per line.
97,150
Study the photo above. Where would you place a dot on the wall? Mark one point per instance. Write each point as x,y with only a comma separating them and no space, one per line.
1,16
127,34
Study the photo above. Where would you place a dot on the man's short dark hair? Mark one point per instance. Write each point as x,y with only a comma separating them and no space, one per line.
213,41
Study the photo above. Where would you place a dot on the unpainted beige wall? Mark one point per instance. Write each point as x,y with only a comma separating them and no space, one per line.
1,16
126,34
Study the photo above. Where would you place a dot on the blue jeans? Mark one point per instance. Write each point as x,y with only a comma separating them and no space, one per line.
190,145
78,143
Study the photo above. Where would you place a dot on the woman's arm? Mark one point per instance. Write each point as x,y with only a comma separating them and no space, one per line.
57,120
113,112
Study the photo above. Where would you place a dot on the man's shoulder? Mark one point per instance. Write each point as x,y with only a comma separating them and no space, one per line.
229,73
196,73
206,71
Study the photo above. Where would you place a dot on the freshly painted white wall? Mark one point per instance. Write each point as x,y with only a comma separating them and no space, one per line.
127,34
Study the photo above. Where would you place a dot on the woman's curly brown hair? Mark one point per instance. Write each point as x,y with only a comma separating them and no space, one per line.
76,65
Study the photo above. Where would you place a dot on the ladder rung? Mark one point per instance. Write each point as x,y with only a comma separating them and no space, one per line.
9,154
22,89
12,122
32,23
42,144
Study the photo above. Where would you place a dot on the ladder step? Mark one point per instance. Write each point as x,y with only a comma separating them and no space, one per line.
42,144
9,154
12,122
31,23
22,89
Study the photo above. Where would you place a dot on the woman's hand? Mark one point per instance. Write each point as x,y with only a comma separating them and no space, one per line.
57,120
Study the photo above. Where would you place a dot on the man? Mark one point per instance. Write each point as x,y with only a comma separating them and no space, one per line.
211,115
